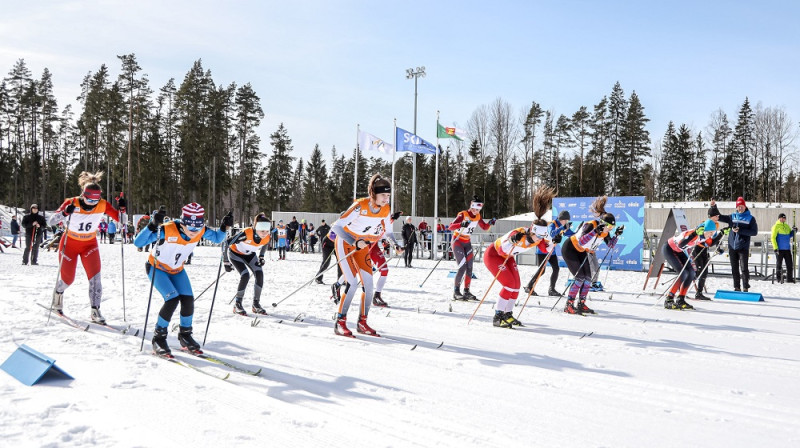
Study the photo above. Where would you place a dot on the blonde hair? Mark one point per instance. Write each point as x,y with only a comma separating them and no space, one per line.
86,178
598,207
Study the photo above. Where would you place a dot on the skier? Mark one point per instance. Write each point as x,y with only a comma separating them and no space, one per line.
172,243
556,230
376,254
465,223
701,257
82,214
241,254
359,227
281,234
676,253
576,252
499,258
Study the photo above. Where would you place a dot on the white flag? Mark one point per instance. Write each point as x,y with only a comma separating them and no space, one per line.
368,142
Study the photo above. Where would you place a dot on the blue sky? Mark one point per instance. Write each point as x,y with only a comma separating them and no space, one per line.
321,67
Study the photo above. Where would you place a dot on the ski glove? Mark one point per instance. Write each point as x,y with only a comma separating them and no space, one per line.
396,215
465,223
726,230
398,248
68,211
518,237
228,266
720,250
227,221
492,221
260,261
777,253
157,219
361,244
794,229
619,230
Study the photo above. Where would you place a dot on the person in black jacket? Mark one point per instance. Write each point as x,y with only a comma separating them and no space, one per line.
327,249
410,237
291,232
34,225
14,231
743,226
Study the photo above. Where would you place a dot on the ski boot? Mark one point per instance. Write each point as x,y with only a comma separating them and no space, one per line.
187,341
680,304
468,295
362,327
669,303
511,320
160,346
377,300
529,290
584,309
336,292
258,309
238,308
499,320
701,296
319,281
457,294
570,307
58,302
553,293
340,327
97,317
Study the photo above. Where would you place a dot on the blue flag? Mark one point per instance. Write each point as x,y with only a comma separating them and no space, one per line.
408,141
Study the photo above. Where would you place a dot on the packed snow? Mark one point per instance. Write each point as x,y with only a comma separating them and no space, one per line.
634,375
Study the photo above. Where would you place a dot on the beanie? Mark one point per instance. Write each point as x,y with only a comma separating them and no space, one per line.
740,201
713,211
564,215
193,215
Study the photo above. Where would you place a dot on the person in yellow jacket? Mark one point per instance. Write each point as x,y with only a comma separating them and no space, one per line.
782,236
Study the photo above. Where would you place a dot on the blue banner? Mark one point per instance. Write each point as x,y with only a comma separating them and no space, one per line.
628,211
408,141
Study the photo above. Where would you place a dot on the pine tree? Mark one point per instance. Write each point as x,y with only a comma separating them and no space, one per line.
315,188
580,133
636,146
279,172
617,110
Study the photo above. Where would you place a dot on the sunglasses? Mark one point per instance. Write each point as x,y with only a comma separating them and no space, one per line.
194,229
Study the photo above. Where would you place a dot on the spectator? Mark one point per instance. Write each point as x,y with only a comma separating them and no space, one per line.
410,237
743,226
34,224
112,231
781,242
103,228
291,232
327,251
312,237
14,231
303,237
425,233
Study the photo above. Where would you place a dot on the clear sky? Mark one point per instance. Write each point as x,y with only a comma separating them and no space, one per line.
321,67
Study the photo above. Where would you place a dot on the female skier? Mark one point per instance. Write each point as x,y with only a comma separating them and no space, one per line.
576,252
556,230
172,243
82,214
241,254
358,228
676,253
499,257
465,223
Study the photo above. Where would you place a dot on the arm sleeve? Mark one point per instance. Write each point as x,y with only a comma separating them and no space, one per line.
214,235
726,219
113,213
484,225
389,234
338,229
774,238
751,229
456,222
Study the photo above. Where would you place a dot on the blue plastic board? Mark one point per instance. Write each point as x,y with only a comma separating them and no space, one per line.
738,295
29,366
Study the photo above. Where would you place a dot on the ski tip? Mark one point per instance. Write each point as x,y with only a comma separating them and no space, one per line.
137,333
226,377
434,312
87,328
415,346
440,345
257,372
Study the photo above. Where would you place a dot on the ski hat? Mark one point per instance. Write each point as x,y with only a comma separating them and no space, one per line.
782,215
609,219
564,215
193,215
707,226
713,211
740,201
34,206
476,203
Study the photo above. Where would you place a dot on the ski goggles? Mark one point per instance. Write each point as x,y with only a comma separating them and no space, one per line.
91,197
263,226
476,205
539,231
194,229
607,224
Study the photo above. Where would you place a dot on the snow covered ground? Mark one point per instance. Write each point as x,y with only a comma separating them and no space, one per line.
634,375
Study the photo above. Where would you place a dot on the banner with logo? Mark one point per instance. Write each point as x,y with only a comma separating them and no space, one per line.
628,211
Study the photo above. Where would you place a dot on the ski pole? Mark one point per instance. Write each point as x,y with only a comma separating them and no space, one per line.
608,268
312,279
60,260
434,267
535,282
224,246
122,257
149,299
499,270
660,296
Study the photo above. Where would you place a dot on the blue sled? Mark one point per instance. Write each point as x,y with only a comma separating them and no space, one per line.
738,295
452,274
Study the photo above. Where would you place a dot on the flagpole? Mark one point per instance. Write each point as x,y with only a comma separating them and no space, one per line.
355,171
436,193
394,153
